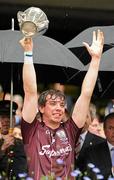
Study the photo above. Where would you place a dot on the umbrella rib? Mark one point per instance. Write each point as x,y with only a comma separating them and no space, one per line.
99,85
73,76
65,73
107,88
81,54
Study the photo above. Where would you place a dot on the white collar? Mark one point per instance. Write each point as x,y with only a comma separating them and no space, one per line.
110,146
83,135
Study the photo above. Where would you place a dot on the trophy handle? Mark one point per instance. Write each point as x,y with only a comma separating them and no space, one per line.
21,16
41,24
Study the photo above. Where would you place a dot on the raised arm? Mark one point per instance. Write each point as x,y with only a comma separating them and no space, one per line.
29,82
82,104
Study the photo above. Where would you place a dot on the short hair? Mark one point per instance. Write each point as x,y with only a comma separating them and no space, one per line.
42,98
106,118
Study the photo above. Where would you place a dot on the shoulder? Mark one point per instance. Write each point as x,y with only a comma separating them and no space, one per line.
95,137
72,124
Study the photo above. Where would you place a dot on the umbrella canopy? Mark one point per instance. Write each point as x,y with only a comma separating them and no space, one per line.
54,61
105,82
75,45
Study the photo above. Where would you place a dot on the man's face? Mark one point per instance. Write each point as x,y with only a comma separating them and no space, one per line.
95,127
4,124
109,130
54,110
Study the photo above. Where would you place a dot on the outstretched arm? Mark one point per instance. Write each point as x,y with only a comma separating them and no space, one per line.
29,82
82,104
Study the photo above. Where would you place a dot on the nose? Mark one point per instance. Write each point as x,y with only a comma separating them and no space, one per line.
58,106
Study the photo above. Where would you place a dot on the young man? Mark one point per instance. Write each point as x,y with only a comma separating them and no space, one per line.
53,137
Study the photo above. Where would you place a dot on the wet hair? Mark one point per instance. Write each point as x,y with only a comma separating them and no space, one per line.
109,116
53,95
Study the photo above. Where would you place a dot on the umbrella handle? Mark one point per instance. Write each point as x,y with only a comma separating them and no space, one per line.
10,130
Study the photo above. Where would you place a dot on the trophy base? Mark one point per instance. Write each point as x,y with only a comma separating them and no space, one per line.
29,29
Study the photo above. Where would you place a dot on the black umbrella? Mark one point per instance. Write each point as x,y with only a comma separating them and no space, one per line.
75,45
54,61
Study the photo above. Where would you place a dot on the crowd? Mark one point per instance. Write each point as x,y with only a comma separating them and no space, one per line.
54,137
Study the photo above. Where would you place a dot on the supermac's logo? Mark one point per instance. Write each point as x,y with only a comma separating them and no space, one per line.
62,135
60,152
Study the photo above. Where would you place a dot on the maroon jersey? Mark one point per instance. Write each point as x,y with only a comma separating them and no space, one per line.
44,146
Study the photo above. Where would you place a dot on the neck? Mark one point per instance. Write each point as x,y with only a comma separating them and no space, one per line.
52,125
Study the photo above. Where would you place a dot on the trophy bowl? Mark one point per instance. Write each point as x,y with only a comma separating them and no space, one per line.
33,20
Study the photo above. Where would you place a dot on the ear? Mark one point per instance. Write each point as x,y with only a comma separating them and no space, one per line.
41,109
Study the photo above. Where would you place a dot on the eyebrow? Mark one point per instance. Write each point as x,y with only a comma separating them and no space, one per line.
54,100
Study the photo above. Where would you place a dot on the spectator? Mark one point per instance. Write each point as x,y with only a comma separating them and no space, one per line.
86,137
95,126
110,107
100,154
19,100
12,155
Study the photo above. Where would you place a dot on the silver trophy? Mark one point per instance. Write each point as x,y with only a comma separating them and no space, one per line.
33,20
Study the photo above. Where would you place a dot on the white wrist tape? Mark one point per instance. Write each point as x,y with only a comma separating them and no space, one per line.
28,57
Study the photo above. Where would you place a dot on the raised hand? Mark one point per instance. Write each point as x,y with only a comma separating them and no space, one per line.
96,48
27,44
8,141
